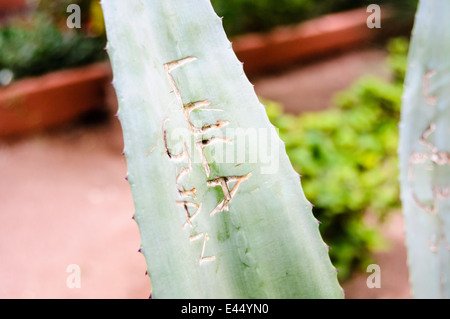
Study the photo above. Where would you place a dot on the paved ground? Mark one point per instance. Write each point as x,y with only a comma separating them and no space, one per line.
64,201
393,269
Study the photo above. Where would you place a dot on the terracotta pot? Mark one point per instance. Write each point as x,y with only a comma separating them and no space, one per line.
37,103
324,35
12,6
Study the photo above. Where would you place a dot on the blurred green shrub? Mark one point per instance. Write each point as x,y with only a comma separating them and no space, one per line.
91,14
36,45
347,156
242,16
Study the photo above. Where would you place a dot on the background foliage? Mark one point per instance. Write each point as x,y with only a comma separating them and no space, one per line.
41,42
36,46
347,156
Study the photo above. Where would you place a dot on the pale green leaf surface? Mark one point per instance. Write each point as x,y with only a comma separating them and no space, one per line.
268,244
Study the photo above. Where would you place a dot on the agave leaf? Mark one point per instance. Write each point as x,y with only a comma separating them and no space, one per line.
425,152
220,209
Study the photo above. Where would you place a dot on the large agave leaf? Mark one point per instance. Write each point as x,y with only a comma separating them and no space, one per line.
220,209
424,152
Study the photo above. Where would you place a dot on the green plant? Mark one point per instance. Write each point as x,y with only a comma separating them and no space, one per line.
212,225
425,152
35,45
347,158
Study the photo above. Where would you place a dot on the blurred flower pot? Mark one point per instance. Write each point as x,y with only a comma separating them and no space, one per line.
8,7
314,38
12,5
37,103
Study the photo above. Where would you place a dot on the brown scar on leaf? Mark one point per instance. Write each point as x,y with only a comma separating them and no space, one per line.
205,237
438,157
435,241
201,144
195,237
441,158
157,138
188,108
430,99
164,138
228,194
189,218
184,171
424,138
177,157
441,193
169,67
154,146
416,158
430,209
186,193
204,259
207,127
